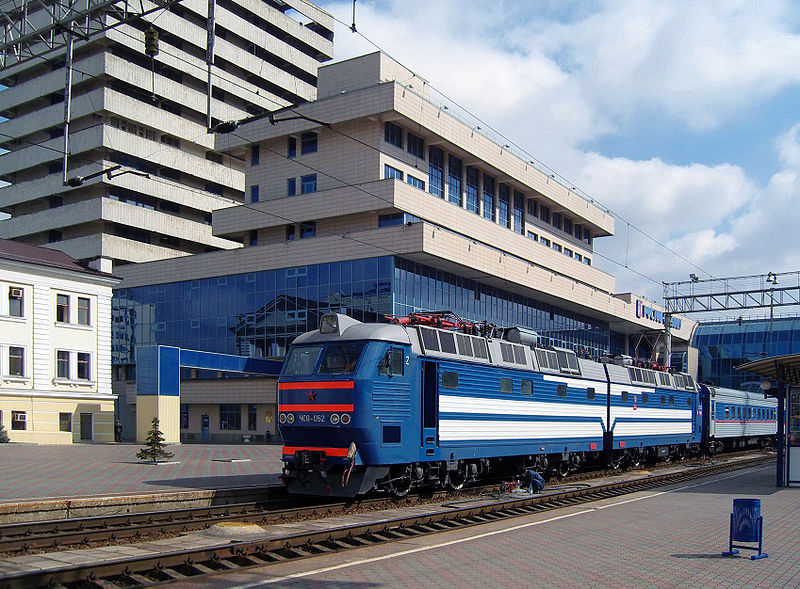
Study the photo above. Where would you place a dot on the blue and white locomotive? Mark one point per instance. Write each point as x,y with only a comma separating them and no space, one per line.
431,400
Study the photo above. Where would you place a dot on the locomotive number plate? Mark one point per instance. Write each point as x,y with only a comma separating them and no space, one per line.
311,418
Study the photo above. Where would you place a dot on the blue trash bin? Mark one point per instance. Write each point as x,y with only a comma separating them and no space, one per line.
746,513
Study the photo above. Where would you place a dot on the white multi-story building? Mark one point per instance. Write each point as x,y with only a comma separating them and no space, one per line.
374,200
55,347
133,114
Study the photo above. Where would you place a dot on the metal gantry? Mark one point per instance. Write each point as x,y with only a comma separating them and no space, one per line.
33,29
758,291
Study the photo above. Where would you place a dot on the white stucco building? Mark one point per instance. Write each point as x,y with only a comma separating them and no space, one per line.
55,347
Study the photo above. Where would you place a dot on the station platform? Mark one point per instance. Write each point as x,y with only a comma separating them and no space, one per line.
669,537
91,479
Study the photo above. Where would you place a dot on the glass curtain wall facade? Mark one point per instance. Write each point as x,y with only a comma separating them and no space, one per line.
723,346
260,313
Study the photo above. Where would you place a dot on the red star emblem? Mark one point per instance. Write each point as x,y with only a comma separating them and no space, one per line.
312,396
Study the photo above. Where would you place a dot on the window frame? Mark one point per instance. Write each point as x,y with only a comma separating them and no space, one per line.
393,134
84,311
63,364
16,359
62,308
309,143
16,309
83,365
308,183
230,414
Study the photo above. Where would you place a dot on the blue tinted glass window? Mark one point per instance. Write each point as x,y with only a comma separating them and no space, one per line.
254,155
503,198
393,134
291,148
308,143
471,189
308,229
390,172
519,212
454,170
416,146
416,182
436,171
291,186
254,193
488,197
308,183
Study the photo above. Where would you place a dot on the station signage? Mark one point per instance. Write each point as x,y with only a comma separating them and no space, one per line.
643,311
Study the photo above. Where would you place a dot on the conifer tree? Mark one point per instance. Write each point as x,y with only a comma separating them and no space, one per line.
4,439
154,446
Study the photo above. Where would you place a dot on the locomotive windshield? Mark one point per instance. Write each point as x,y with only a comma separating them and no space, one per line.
336,359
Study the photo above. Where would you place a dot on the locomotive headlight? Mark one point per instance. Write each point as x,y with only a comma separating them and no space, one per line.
290,418
334,418
282,418
345,418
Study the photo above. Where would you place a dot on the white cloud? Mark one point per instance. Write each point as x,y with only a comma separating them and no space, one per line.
553,77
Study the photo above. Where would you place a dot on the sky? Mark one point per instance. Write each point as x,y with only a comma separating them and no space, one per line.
682,118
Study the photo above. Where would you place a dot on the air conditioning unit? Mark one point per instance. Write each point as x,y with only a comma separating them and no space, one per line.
20,417
15,293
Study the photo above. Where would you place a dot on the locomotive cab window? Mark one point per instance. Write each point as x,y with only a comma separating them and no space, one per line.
624,396
526,387
590,393
301,360
392,363
506,385
449,380
340,358
561,390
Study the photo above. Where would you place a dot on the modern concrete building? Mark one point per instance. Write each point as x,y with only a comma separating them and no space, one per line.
55,347
374,200
133,114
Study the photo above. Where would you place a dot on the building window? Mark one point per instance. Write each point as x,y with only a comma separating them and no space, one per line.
544,213
83,311
290,233
56,201
184,416
62,308
533,236
436,171
291,186
308,143
253,237
416,146
454,168
308,183
557,247
291,149
18,420
84,361
255,156
471,189
532,207
557,220
254,193
308,229
65,422
54,236
62,364
488,197
578,257
16,361
519,213
567,226
578,231
230,416
416,182
587,236
252,415
587,261
390,172
503,204
15,301
393,134
567,252
544,241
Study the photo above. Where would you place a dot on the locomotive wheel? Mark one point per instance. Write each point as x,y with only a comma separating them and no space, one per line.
456,479
563,468
401,483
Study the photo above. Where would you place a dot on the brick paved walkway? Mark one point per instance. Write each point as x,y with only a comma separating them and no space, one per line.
649,539
84,470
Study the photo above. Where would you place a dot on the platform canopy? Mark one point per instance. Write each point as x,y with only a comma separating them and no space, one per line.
785,369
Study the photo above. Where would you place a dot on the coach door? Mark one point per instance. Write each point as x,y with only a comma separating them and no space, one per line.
430,406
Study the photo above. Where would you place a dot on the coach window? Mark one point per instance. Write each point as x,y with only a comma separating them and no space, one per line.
590,393
449,380
727,412
506,385
526,387
561,390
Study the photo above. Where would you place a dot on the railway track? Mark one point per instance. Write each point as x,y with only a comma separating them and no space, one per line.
291,544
